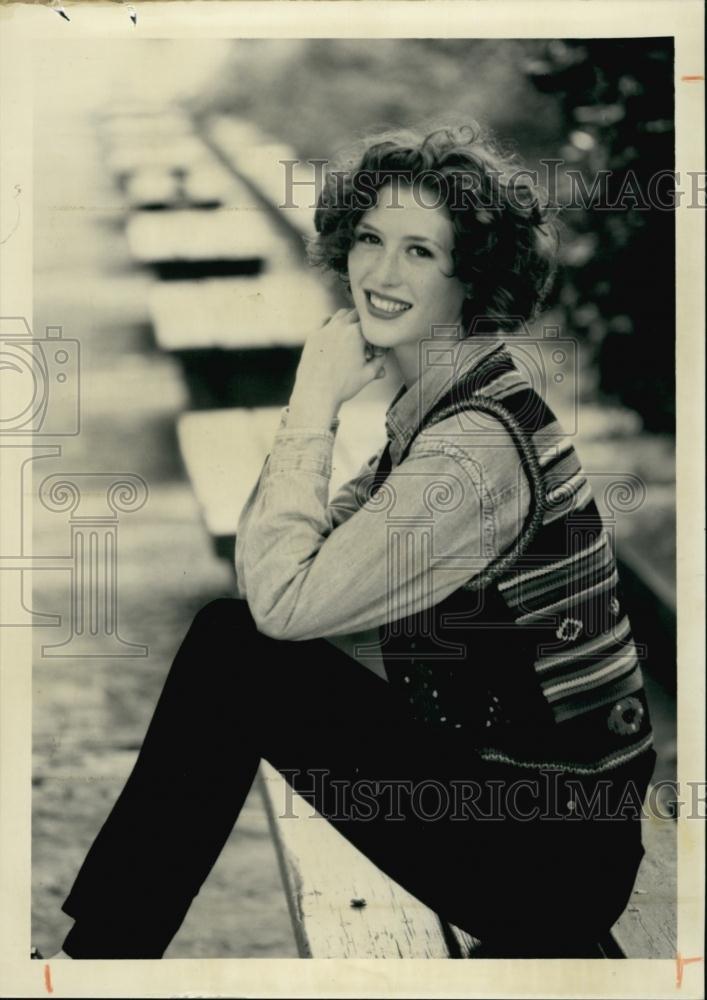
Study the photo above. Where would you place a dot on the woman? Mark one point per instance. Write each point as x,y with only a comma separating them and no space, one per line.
466,566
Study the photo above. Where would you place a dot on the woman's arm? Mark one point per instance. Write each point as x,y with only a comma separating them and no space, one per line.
441,517
242,530
341,506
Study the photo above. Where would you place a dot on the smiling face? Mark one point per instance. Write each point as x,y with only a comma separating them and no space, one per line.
399,270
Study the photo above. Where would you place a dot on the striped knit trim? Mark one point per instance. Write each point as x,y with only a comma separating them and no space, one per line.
583,498
604,764
616,665
608,694
570,497
573,600
509,380
566,488
508,384
556,451
594,646
553,584
563,585
558,470
533,574
496,376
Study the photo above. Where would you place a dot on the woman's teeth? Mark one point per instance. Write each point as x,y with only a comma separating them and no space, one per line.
387,305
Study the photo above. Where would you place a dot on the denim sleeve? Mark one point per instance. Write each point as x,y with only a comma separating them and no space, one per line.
349,497
441,516
247,509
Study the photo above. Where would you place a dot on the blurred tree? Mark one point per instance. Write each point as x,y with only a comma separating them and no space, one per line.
318,94
617,285
596,104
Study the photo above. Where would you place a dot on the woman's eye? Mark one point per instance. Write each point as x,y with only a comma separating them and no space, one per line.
419,251
366,238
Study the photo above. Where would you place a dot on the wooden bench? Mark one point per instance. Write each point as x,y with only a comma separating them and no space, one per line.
238,340
188,243
152,187
341,905
130,142
223,452
128,156
132,120
205,184
260,161
648,926
274,309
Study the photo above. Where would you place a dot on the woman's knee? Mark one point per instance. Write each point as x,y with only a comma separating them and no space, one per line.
224,614
220,641
225,622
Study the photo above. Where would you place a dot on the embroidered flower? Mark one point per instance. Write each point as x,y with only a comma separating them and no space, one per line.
626,716
569,629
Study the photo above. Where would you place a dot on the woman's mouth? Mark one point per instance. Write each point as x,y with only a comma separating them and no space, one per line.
384,307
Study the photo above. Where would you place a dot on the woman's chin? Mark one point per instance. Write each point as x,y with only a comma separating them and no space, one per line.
383,333
371,332
374,338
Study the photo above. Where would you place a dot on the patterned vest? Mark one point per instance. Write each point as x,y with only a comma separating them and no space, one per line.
533,658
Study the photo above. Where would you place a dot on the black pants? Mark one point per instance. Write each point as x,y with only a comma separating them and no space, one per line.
420,808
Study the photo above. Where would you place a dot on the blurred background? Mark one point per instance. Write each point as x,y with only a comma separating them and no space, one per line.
161,251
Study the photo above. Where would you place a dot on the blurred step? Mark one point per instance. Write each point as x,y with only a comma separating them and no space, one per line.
273,169
129,156
238,340
128,119
206,184
224,452
264,311
199,242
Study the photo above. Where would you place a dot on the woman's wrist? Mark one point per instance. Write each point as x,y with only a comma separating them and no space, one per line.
312,410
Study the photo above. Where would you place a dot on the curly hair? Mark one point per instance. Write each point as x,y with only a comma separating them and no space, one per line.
505,241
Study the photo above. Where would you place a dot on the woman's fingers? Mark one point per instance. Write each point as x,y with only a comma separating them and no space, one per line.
342,315
373,351
374,369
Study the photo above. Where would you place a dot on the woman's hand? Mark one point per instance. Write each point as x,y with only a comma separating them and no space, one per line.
336,363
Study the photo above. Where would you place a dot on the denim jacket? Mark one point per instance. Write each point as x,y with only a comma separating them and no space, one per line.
486,495
310,566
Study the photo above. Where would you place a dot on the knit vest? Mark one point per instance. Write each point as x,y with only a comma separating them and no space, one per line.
533,658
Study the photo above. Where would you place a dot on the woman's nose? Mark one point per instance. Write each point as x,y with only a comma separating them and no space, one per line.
389,269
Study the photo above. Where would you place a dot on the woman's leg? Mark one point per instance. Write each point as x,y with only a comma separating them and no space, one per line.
233,696
177,808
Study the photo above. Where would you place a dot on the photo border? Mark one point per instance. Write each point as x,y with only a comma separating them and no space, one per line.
20,26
